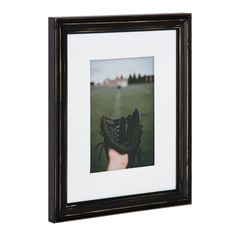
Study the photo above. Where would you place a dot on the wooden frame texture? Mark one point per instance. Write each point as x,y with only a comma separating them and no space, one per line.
59,209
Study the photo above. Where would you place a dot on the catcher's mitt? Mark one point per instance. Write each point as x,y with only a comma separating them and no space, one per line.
123,135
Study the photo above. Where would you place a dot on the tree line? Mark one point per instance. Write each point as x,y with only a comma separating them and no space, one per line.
133,79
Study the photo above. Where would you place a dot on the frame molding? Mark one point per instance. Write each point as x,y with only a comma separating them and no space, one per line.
59,209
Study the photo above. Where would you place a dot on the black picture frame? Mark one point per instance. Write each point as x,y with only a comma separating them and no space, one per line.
59,209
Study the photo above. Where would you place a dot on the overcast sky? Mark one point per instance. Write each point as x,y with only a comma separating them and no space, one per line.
103,69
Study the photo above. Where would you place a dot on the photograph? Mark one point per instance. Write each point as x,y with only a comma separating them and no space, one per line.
122,113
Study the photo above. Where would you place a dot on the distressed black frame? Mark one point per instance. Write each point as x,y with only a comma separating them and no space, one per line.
59,209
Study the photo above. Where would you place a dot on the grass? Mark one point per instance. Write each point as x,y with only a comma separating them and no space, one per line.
115,103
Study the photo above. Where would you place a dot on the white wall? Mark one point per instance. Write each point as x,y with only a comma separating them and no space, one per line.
23,121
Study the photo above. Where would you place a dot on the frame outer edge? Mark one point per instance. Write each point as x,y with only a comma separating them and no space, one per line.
186,183
52,201
55,211
190,105
187,190
189,108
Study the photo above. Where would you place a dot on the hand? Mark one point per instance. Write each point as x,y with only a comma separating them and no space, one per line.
117,161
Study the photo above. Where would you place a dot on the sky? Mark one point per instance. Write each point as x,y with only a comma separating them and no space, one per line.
111,68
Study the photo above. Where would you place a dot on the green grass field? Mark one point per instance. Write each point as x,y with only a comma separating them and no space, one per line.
115,103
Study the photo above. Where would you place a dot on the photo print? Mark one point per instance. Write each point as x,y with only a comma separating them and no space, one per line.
122,113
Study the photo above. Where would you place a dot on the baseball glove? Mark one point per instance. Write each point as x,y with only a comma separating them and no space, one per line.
123,135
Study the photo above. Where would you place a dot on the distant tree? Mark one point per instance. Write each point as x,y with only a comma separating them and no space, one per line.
139,78
130,79
152,79
142,79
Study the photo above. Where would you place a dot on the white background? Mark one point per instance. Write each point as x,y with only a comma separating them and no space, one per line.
82,185
23,121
